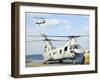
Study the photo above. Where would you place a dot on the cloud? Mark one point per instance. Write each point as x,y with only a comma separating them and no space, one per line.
37,14
51,22
48,22
54,22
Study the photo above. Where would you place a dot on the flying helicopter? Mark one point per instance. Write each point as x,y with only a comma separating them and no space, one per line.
70,52
39,20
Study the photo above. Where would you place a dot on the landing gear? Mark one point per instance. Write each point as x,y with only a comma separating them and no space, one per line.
60,61
77,59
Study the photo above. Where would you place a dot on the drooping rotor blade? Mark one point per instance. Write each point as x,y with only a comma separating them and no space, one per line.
77,36
55,40
45,40
73,36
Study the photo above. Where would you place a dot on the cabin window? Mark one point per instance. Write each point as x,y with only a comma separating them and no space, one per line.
71,51
54,53
48,49
45,46
60,51
49,54
70,47
45,50
65,49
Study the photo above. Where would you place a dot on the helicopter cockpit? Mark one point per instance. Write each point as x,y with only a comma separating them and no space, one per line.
76,48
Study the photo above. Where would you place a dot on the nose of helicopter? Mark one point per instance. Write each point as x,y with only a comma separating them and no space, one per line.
78,51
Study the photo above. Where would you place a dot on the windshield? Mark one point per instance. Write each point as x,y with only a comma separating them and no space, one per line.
76,47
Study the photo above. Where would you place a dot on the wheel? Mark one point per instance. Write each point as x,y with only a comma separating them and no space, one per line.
60,61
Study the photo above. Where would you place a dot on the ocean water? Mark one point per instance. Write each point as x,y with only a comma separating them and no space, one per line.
34,57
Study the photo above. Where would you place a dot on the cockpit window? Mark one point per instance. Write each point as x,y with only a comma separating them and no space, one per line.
65,49
60,51
76,47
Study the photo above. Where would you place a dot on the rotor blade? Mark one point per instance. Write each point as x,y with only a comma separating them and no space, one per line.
83,35
55,40
73,36
35,41
45,40
77,36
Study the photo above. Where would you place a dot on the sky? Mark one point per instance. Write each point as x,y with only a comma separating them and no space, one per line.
56,24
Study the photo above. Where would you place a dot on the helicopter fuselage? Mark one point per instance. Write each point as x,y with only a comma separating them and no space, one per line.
68,51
